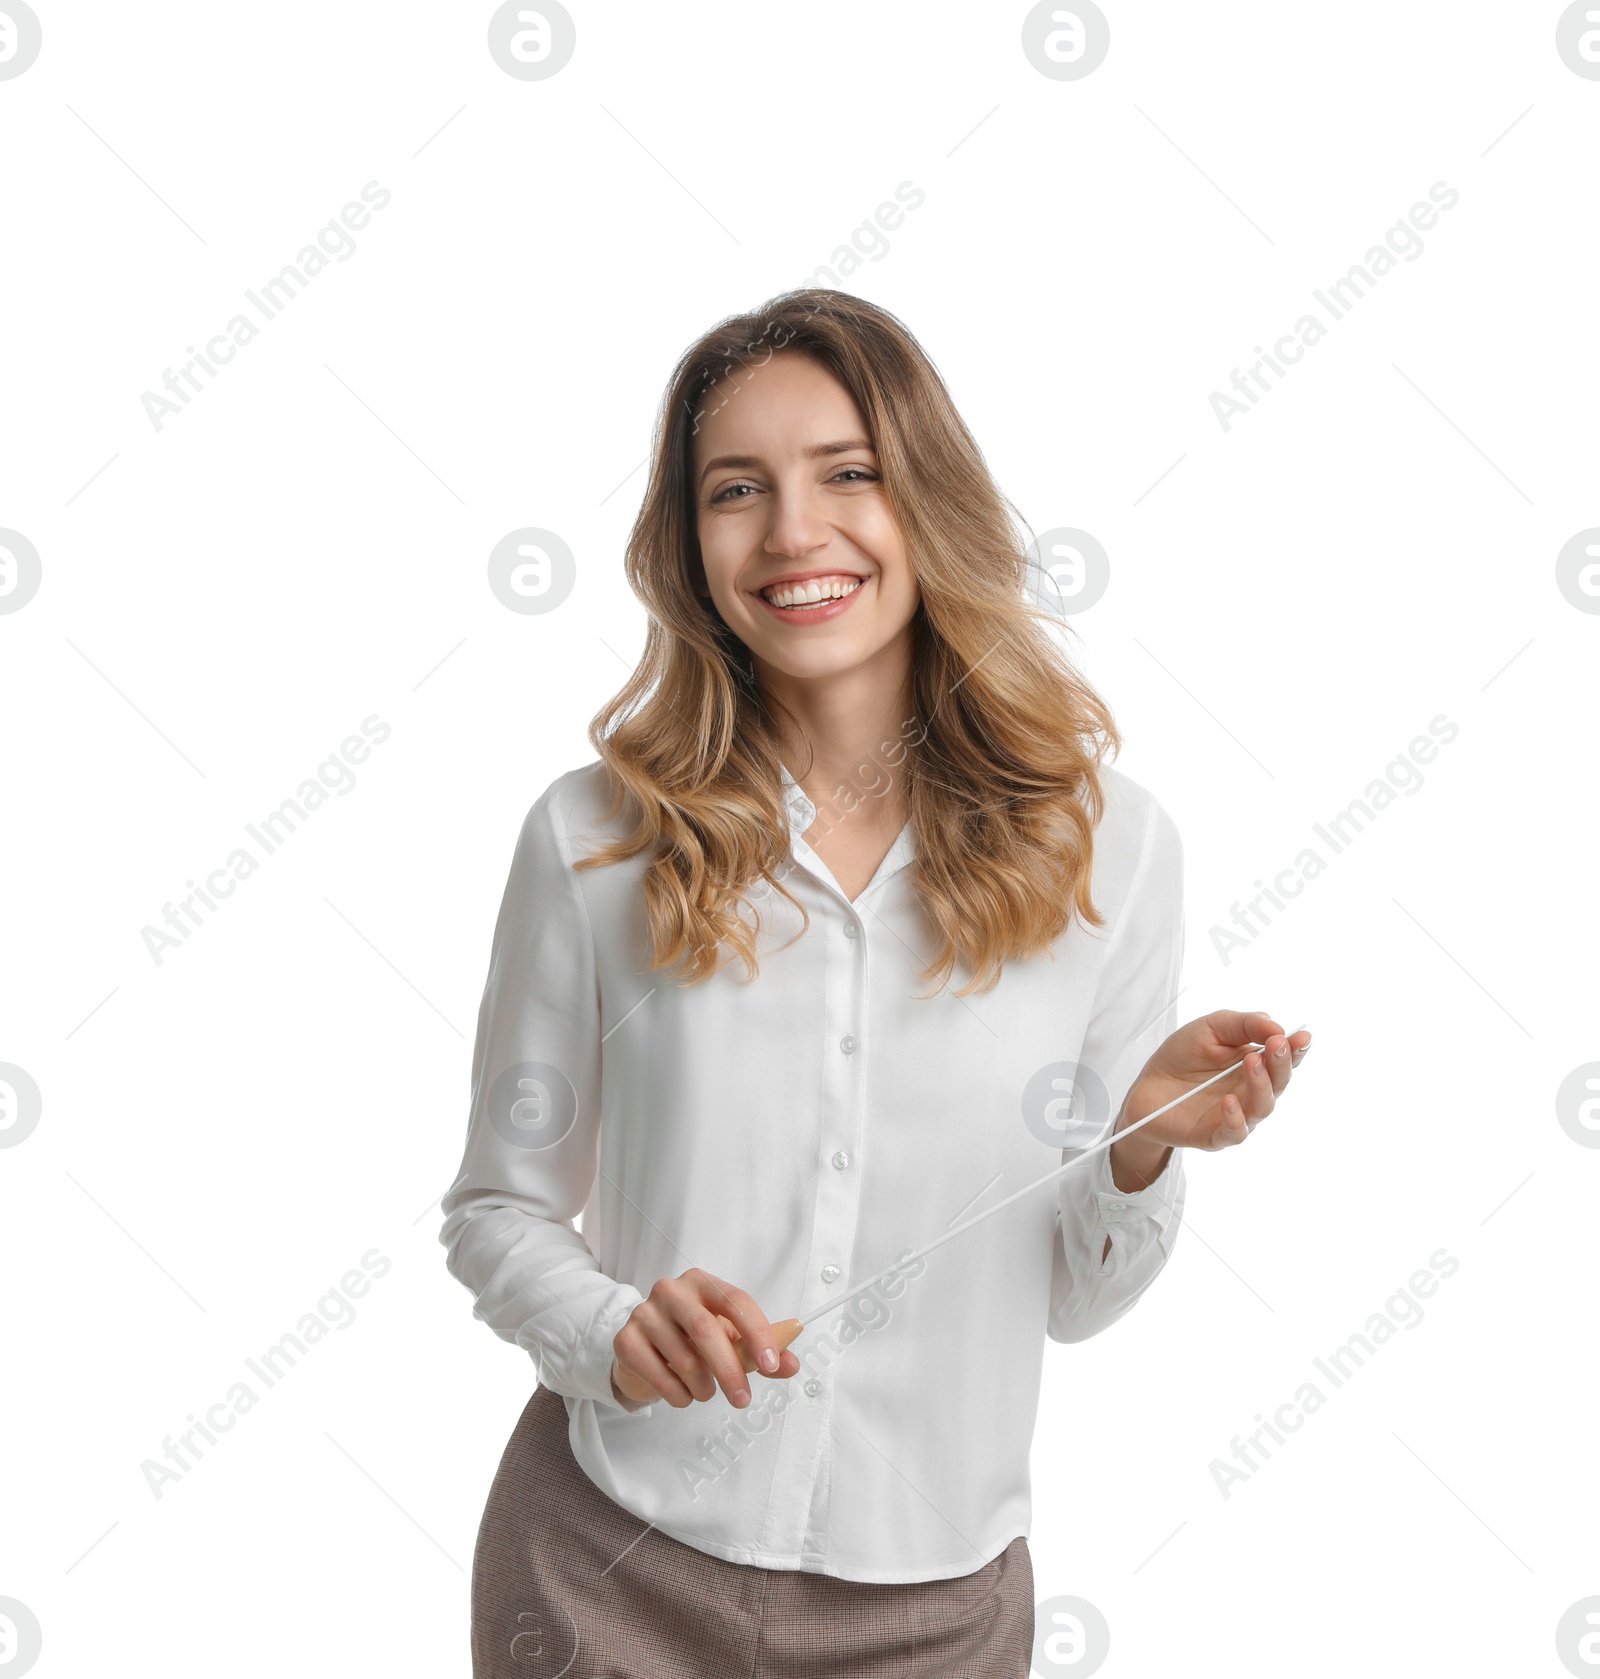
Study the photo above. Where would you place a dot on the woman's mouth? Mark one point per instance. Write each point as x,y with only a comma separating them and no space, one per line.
813,599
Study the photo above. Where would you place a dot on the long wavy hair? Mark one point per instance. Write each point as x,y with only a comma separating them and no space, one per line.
1001,765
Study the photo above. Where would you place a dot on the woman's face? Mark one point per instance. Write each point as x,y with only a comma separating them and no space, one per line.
790,508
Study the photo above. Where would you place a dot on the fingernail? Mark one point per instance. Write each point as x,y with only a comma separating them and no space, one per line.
769,1361
1283,1048
741,1396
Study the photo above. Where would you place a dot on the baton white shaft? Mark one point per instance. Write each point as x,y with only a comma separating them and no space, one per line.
989,1212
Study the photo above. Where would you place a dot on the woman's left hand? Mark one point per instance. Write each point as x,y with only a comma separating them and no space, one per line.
1226,1112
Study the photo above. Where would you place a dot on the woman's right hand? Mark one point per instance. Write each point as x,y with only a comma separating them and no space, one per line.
679,1343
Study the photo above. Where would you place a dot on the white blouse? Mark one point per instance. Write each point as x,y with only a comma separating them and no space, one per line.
794,1135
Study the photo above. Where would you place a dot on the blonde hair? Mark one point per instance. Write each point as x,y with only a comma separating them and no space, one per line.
1002,780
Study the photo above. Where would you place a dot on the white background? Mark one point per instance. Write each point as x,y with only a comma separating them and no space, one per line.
1291,601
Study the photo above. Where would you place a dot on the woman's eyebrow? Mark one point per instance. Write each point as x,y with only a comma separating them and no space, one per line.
813,452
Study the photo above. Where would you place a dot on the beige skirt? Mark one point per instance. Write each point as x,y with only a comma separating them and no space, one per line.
565,1587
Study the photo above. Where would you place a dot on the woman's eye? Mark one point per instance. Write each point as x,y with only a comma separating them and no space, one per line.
845,475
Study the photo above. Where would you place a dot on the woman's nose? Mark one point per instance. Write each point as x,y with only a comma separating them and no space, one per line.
797,526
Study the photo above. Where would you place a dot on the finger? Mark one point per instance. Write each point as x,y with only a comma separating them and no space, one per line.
1276,1060
1259,1096
765,1340
754,1328
1232,1126
700,1346
1236,1031
788,1363
1260,1027
678,1353
635,1351
711,1341
1282,1055
783,1333
670,1341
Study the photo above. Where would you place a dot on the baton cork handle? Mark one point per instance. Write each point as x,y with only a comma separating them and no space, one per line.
783,1333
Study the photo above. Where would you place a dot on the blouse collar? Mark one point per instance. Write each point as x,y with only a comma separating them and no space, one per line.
802,813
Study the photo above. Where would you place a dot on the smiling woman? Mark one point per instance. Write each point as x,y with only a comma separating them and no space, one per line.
807,442
703,1031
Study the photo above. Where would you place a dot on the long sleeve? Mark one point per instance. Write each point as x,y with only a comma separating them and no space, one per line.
1135,1010
533,1130
789,1131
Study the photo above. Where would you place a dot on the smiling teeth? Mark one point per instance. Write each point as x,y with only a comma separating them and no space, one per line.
810,594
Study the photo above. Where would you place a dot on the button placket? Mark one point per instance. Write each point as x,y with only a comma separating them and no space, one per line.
799,1516
839,1191
836,1230
838,1198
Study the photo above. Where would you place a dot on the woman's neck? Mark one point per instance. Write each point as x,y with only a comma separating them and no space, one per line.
844,737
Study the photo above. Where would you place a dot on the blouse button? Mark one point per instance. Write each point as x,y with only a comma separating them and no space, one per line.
848,1045
813,1387
850,929
830,1273
841,1160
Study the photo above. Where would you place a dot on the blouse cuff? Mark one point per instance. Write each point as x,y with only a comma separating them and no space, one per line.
1141,1216
585,1373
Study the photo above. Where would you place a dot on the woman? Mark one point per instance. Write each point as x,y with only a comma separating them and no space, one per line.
852,766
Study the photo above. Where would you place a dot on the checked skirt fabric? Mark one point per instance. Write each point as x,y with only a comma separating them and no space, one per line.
565,1587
